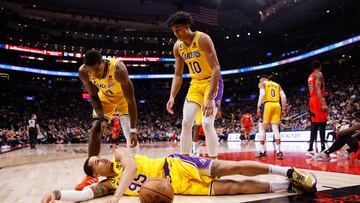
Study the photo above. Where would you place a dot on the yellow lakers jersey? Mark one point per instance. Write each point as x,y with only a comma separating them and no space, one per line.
147,168
108,85
195,59
272,92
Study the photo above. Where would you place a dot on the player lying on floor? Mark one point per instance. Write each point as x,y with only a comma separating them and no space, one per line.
349,136
187,175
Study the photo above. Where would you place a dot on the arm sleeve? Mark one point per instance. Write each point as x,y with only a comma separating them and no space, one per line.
283,99
76,196
261,97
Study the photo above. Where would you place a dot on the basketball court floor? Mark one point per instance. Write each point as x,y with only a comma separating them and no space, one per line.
26,175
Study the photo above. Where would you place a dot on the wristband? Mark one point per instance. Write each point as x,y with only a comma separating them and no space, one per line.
133,130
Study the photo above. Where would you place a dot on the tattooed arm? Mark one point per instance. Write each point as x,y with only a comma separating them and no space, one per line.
101,189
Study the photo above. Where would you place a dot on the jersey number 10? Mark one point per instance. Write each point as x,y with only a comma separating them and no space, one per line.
195,67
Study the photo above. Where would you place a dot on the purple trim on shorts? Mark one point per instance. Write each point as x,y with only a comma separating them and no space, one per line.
219,93
262,109
166,170
199,162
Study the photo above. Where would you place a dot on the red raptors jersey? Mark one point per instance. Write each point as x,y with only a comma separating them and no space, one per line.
312,85
247,119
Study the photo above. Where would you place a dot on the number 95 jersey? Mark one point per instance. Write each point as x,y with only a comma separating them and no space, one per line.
195,59
147,168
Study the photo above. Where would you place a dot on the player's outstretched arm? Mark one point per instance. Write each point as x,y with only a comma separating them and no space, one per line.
122,76
177,79
101,189
126,160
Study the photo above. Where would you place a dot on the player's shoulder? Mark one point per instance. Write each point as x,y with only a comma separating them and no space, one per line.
82,68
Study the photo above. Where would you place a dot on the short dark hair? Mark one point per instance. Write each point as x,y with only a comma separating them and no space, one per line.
92,57
179,17
316,64
88,169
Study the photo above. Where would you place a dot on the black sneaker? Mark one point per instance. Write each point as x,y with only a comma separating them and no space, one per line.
261,154
279,155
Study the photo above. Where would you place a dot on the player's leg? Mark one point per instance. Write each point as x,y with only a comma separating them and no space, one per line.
303,180
322,127
195,135
212,142
275,125
263,122
313,135
189,113
233,187
211,137
94,139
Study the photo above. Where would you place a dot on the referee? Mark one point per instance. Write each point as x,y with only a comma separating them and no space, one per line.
33,129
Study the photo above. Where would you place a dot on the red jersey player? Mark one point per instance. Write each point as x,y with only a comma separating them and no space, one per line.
317,105
246,123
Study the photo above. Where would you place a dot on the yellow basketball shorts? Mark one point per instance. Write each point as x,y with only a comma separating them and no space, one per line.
112,105
185,175
199,91
270,112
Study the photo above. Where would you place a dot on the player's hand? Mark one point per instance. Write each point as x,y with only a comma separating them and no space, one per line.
104,128
208,108
258,112
283,113
133,139
48,198
169,105
324,107
113,200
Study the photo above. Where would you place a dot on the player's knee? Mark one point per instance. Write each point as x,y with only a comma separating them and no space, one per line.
186,123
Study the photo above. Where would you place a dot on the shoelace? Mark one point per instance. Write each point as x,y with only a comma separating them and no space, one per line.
299,177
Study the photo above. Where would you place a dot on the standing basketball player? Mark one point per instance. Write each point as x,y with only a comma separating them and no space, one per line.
318,107
269,111
197,50
247,124
110,89
33,129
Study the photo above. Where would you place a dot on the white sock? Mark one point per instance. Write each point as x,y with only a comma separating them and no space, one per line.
279,186
211,137
277,146
263,148
279,170
189,114
194,144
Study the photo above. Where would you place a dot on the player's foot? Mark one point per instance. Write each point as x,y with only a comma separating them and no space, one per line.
261,154
195,150
293,189
344,154
321,157
88,180
303,181
279,155
310,153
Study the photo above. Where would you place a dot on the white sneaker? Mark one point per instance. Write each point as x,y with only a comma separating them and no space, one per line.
344,154
321,157
195,150
310,153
